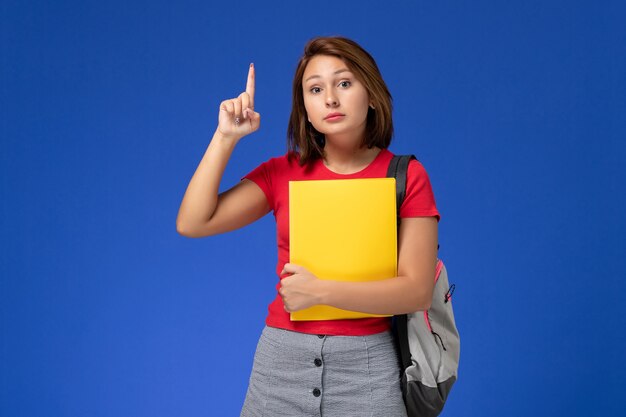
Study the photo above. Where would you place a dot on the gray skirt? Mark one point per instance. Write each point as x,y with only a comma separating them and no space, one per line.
297,374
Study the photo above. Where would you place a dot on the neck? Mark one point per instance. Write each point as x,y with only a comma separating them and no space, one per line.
348,159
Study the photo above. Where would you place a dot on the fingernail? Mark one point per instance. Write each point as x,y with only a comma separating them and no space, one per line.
252,65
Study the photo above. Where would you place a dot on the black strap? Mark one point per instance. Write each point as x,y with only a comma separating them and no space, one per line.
398,168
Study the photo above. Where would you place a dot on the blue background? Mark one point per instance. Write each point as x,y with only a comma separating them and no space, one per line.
517,109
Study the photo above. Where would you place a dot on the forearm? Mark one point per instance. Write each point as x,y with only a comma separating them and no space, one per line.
398,295
200,199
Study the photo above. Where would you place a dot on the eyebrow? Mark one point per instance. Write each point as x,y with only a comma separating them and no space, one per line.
336,72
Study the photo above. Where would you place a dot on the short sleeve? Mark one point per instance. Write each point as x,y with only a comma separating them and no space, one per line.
419,200
262,176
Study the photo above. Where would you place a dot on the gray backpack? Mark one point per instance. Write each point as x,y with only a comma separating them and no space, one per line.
427,341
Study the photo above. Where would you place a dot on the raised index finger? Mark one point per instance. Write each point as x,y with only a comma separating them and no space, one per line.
250,85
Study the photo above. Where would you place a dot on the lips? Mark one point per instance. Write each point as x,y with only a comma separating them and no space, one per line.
334,116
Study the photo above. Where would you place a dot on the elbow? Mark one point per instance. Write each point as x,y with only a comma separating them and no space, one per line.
186,230
182,229
194,230
426,300
425,304
422,302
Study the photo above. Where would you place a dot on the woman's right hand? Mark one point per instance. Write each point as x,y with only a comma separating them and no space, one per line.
237,117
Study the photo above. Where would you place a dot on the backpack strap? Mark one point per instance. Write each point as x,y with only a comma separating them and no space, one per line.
398,168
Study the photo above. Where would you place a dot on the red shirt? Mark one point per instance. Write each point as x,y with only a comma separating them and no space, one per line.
273,178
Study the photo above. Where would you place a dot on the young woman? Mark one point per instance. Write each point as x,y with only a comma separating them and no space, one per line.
340,128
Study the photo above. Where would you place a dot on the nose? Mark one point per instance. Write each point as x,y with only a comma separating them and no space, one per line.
331,100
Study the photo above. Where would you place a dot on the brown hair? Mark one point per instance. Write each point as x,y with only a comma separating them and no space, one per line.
302,137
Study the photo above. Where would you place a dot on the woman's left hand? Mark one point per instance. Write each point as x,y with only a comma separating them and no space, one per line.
300,290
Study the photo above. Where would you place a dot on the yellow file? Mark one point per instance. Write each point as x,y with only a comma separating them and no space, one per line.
343,230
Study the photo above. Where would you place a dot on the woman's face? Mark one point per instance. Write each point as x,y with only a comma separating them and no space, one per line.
335,100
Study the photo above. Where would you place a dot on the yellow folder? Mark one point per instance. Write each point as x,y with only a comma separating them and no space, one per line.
343,230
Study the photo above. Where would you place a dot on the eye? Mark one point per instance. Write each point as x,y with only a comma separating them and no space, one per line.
345,84
315,90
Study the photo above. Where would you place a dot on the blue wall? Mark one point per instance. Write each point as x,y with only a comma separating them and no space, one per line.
517,109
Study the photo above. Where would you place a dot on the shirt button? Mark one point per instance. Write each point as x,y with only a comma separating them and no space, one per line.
317,362
317,392
321,336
